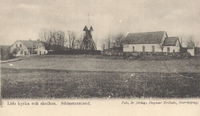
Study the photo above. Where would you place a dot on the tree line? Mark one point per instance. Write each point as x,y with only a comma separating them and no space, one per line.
59,40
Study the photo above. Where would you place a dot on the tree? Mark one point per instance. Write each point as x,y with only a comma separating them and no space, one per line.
118,39
72,39
77,44
191,43
53,40
114,41
15,51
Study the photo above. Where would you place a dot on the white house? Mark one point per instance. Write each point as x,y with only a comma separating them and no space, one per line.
27,47
150,42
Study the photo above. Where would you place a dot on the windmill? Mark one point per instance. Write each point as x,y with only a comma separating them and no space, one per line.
88,42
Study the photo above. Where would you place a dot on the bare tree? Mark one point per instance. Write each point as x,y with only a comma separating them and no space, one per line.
52,39
118,40
44,36
191,42
106,43
114,41
77,44
71,37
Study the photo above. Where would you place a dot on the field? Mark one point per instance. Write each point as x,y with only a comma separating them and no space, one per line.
62,76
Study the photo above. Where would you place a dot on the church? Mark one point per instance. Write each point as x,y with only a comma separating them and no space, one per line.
151,42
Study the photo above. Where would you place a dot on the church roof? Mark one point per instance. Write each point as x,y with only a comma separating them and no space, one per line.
144,38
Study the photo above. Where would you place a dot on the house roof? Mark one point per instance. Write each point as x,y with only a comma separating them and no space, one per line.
31,43
144,38
170,41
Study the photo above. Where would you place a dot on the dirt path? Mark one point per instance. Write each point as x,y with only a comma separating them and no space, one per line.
11,60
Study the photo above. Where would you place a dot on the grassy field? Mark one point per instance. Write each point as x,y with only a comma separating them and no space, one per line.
97,63
90,76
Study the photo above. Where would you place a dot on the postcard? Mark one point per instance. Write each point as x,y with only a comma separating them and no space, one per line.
110,57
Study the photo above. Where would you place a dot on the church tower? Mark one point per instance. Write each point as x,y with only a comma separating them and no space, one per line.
88,42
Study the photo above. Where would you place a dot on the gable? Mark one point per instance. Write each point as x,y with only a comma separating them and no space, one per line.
171,41
18,44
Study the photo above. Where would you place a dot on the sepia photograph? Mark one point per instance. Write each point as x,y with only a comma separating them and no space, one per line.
105,49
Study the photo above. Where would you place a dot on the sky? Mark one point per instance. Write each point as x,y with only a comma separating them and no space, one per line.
25,19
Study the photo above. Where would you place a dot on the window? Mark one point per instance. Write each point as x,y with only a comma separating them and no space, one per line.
133,48
20,45
173,51
153,48
143,48
168,49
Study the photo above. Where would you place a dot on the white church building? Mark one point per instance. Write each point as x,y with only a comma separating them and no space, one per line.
151,42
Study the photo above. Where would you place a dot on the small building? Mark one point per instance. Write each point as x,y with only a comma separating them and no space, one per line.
151,42
191,51
27,47
40,49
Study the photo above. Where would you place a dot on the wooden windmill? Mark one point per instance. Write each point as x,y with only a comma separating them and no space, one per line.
88,42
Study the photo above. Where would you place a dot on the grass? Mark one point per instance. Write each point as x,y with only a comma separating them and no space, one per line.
97,63
26,83
59,76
